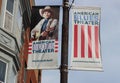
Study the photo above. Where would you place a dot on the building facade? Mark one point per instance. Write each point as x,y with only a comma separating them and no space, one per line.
9,45
14,38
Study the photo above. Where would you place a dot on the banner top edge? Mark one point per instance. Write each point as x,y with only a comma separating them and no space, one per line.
84,7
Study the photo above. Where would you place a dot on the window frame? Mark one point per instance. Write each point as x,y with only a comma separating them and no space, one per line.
11,14
5,79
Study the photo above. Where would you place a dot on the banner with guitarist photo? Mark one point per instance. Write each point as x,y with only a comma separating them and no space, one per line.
43,48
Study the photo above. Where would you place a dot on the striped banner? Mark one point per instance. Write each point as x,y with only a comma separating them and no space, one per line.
86,40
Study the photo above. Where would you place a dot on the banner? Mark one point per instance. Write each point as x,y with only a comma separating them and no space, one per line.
85,39
43,48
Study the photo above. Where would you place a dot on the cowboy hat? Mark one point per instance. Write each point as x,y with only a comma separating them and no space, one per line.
47,8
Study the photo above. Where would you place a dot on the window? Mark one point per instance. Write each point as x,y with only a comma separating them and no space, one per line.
9,15
10,4
2,71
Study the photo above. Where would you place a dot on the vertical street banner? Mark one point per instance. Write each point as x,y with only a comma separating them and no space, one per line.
43,45
85,54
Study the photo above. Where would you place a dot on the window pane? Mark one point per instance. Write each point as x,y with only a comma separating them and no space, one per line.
8,22
10,4
2,71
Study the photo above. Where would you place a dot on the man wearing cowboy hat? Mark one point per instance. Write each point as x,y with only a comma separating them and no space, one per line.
46,27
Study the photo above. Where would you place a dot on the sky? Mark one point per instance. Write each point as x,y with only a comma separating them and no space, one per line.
110,45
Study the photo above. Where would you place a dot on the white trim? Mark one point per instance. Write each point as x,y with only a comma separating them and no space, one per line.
3,9
9,13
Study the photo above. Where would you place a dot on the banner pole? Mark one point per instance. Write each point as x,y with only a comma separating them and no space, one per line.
64,51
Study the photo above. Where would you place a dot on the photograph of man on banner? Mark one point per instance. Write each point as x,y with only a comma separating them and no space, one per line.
43,47
47,27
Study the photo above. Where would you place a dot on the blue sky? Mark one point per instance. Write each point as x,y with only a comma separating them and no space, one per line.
110,45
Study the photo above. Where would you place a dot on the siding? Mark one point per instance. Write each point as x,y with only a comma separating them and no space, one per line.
0,5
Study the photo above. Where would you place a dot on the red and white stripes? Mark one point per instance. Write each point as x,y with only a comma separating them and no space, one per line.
56,46
30,48
86,41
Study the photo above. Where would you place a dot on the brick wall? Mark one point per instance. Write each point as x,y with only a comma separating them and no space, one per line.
31,75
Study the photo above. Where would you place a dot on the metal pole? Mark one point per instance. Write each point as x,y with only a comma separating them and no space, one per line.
64,56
